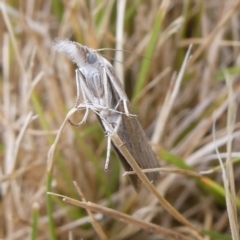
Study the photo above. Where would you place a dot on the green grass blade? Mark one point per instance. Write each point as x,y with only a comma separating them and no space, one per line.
206,183
214,235
145,64
57,8
51,222
35,215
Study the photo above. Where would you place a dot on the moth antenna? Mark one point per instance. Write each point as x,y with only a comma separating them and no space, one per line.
112,59
127,51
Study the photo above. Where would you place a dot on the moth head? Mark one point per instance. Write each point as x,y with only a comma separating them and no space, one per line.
91,57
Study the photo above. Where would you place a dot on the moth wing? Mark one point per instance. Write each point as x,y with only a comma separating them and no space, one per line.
132,135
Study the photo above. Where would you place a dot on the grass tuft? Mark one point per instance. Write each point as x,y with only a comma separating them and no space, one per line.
41,154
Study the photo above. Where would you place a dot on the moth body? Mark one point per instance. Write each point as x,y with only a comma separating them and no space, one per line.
98,85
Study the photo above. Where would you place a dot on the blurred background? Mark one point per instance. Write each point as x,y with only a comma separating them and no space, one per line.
187,119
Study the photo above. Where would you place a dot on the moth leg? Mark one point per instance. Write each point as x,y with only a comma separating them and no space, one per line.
126,112
125,107
73,124
83,120
105,87
84,117
114,110
108,152
115,82
80,84
81,93
118,103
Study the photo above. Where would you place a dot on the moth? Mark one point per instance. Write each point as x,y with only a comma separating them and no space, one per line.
99,87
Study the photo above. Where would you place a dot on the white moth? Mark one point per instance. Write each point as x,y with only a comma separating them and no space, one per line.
101,90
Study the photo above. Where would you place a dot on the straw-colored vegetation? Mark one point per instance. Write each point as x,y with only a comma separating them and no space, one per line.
190,117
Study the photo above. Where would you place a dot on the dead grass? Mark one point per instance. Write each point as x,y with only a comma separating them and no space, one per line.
38,90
